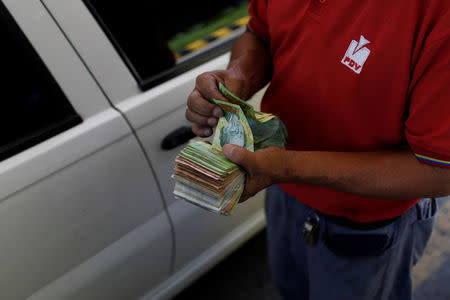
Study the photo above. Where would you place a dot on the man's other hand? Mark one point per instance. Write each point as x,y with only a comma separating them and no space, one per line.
262,167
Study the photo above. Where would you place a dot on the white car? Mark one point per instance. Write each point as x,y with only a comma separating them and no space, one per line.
86,203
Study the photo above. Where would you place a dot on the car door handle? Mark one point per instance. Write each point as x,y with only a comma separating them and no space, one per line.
177,137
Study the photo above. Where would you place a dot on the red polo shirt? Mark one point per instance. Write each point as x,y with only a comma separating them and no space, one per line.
359,75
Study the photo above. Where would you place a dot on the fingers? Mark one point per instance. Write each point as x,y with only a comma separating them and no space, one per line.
201,131
241,157
201,111
200,119
198,104
237,154
244,198
208,85
248,191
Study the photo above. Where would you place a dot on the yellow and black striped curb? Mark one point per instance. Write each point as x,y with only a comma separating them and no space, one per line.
219,33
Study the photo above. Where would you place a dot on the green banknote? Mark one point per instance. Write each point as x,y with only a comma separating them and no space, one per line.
267,129
233,127
247,108
208,156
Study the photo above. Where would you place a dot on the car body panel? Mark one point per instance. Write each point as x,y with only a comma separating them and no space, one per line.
74,196
94,47
95,208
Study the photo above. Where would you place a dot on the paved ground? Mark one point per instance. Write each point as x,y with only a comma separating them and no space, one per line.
245,274
432,273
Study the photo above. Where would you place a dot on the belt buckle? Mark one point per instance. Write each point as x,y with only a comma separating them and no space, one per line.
311,229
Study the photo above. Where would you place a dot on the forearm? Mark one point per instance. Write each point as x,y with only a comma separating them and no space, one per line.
384,174
251,61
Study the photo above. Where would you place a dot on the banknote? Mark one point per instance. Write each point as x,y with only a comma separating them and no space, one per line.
268,133
183,163
263,117
267,129
209,157
216,194
204,176
247,108
233,127
203,180
223,205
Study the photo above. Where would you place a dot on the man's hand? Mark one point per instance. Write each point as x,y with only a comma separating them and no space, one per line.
379,174
262,167
250,68
200,109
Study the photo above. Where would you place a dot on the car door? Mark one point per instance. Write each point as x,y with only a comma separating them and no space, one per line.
81,215
124,46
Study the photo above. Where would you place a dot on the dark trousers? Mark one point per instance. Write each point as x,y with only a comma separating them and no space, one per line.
331,269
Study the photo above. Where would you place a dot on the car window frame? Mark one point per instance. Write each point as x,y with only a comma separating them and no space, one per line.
53,127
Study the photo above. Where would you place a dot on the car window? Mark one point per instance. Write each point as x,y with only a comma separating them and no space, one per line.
33,107
161,39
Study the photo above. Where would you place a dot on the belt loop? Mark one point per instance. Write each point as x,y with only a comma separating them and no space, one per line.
418,210
434,206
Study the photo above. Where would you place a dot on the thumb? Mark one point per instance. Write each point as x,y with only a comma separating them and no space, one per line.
236,154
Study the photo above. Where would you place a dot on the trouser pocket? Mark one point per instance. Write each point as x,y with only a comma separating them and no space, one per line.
426,217
351,242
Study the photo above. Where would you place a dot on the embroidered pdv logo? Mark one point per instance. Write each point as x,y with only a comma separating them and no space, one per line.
356,55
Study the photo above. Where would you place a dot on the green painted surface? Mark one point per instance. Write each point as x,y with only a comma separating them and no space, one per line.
199,31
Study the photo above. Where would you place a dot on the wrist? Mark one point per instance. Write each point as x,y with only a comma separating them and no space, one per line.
247,80
294,167
251,62
280,168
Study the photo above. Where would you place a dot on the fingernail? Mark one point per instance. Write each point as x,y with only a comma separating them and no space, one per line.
212,121
217,112
207,131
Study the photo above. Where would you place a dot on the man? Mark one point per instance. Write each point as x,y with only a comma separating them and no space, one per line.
363,88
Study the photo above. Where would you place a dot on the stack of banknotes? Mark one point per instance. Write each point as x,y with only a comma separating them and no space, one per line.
204,176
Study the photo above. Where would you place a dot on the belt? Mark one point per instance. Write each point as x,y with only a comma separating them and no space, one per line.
312,223
357,225
311,226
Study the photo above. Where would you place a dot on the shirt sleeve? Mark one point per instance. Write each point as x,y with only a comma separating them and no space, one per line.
258,19
427,128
